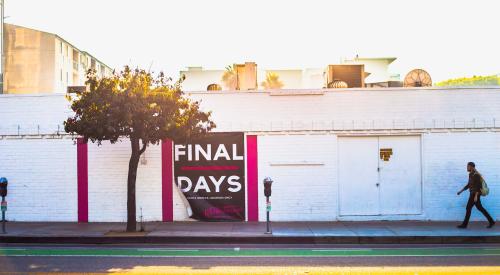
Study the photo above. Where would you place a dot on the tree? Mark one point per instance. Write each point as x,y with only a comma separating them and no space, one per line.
272,81
491,80
229,78
137,105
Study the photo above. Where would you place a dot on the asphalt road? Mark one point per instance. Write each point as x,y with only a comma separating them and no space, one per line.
250,259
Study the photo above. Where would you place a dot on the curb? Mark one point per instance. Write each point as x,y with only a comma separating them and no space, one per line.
253,240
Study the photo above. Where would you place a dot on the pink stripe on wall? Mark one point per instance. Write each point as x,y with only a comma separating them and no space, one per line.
167,181
252,179
82,180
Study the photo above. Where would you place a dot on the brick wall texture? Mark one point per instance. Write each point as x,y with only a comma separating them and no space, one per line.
297,147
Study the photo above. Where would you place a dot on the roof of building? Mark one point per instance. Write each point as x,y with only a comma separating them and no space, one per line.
283,70
390,59
200,69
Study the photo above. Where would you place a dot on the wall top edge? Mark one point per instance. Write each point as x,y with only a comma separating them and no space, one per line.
304,92
295,132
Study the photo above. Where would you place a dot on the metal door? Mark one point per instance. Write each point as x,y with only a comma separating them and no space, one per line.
400,176
358,176
379,175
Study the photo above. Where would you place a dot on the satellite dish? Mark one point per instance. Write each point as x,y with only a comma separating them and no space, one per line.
417,78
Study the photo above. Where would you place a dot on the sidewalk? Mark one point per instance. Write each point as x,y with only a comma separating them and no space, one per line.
251,232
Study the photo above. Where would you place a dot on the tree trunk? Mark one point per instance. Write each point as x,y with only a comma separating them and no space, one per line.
132,175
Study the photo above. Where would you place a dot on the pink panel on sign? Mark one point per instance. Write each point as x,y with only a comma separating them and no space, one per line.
82,180
252,179
167,181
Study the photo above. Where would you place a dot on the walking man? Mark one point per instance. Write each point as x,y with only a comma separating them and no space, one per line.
474,185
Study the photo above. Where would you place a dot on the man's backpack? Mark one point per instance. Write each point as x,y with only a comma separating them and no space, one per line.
484,187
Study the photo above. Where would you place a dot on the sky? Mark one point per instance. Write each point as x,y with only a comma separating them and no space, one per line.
447,38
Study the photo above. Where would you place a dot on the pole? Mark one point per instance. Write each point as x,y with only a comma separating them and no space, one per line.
268,222
2,57
3,217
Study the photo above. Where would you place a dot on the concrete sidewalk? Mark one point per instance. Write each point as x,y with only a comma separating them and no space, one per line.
252,232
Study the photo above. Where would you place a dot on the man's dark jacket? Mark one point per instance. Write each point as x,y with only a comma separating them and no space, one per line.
474,185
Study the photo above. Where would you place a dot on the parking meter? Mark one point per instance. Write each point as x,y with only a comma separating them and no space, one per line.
267,186
3,187
267,192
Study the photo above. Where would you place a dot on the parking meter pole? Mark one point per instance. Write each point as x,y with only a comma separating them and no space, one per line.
3,217
267,192
3,207
268,222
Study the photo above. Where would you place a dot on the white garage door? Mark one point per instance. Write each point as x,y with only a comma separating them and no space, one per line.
379,175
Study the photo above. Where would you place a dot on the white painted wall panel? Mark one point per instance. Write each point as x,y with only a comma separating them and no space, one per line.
445,159
149,186
303,170
42,179
108,171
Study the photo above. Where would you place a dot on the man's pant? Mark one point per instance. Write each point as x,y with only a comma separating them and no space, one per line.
479,207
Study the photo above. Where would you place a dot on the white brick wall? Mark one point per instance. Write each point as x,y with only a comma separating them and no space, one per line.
108,171
354,109
303,168
33,113
263,111
302,192
42,179
445,159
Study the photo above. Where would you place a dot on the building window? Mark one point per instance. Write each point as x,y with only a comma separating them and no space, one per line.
67,77
60,46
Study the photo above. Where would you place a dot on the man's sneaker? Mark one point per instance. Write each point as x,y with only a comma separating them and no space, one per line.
490,225
462,226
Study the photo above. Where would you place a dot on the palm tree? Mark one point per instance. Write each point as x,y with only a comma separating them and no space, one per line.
229,78
272,81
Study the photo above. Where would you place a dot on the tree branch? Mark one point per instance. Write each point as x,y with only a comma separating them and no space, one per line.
143,148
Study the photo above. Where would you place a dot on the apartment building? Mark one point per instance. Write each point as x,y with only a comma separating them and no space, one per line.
41,62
